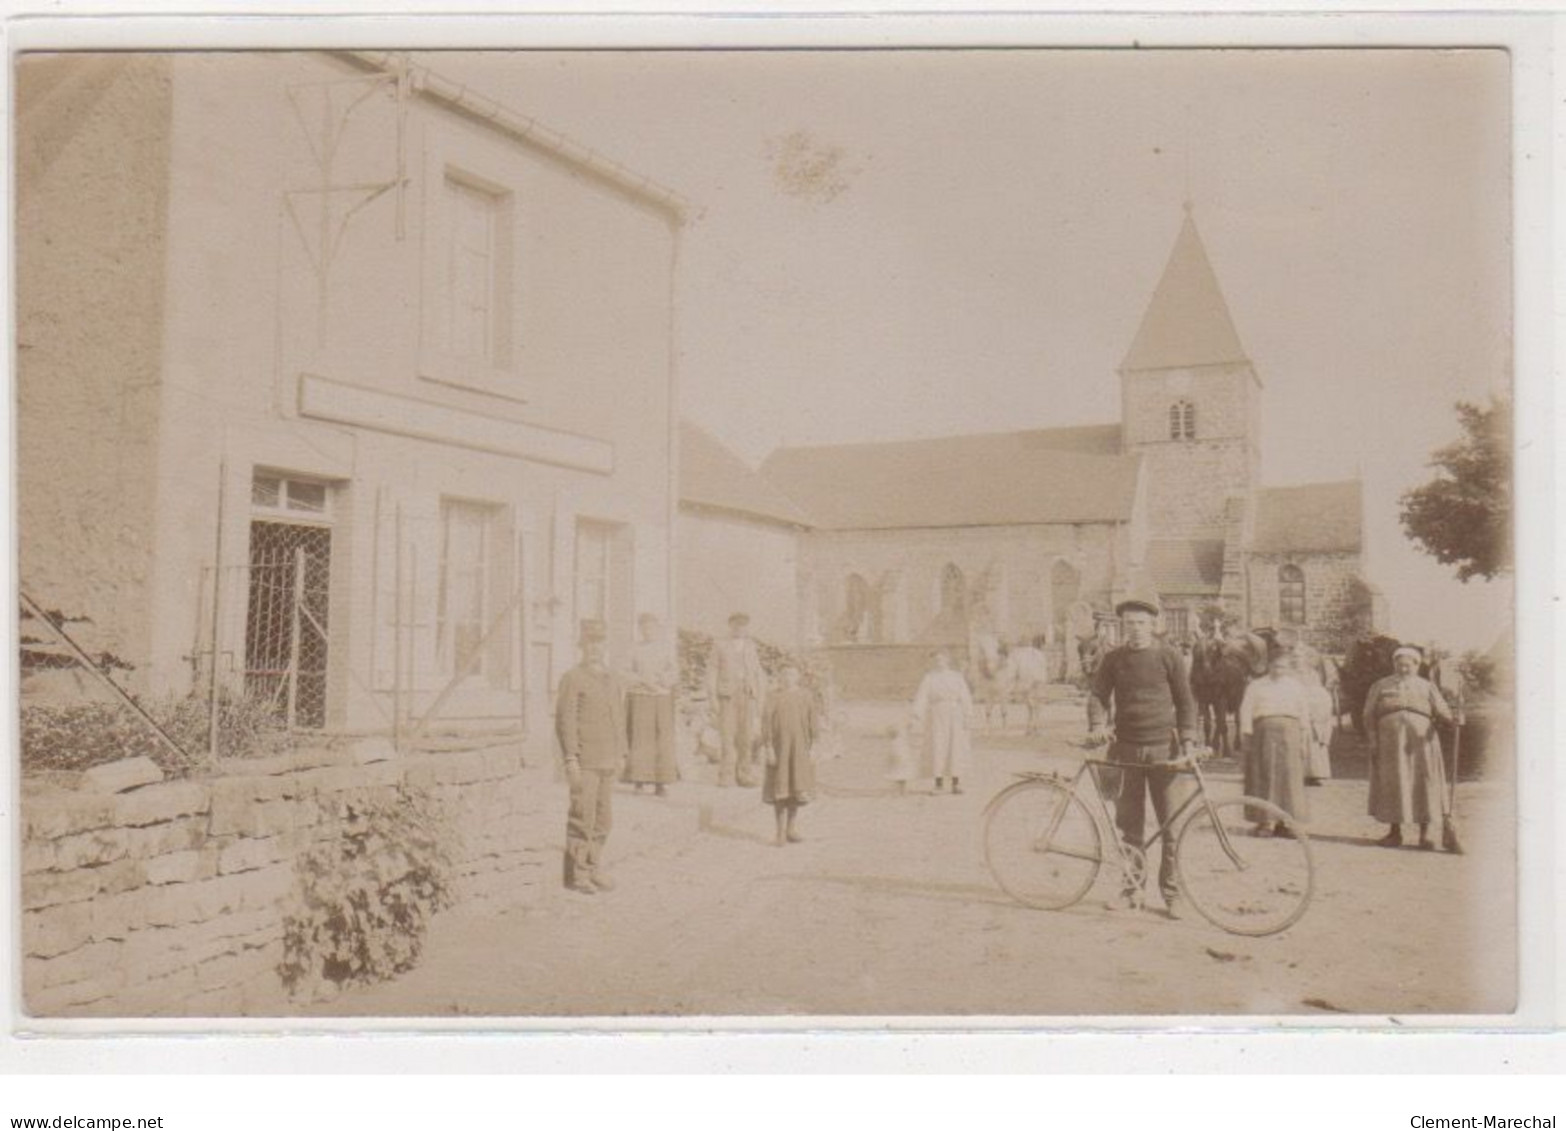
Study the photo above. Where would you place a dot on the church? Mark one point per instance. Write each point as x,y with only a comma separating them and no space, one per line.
893,548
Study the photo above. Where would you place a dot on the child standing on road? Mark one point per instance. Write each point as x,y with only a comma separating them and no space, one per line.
789,728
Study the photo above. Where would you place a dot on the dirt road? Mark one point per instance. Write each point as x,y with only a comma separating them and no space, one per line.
887,909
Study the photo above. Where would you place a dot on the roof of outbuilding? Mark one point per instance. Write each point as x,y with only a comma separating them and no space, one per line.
1319,517
997,479
1185,566
713,477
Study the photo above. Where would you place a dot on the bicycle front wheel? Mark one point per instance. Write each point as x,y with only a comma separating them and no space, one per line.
1041,844
1246,884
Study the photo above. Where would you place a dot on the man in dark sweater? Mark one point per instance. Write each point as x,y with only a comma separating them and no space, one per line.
1145,681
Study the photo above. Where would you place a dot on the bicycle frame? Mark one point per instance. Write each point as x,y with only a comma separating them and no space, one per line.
1095,768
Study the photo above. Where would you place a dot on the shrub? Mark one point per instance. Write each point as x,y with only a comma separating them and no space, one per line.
365,896
78,736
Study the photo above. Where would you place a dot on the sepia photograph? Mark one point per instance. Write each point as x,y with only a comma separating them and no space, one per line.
988,536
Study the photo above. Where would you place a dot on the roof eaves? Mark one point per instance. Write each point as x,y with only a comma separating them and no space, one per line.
486,111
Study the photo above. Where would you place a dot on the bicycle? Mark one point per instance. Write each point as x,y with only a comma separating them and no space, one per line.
1045,847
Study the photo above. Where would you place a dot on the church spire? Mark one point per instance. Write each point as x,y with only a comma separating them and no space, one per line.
1187,323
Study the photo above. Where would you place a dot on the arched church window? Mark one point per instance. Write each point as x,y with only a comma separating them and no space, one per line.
1291,594
1182,420
954,590
857,602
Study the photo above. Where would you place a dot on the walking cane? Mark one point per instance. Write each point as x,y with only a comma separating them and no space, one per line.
1449,838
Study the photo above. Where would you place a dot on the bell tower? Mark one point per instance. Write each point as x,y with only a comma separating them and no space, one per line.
1190,400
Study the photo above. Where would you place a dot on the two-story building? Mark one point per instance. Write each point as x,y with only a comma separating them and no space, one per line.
340,376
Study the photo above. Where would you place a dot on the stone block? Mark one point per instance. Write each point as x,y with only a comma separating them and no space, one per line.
157,995
176,867
170,836
100,846
49,816
231,792
261,819
245,854
230,970
156,803
377,748
56,930
37,856
117,777
72,997
79,965
50,889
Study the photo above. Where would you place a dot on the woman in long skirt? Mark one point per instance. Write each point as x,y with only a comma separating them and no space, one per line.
789,728
942,709
650,710
1407,776
1274,717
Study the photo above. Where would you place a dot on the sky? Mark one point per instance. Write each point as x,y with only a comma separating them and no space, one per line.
914,243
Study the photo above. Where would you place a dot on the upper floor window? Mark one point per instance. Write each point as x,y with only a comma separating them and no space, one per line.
473,272
1291,594
467,335
1182,420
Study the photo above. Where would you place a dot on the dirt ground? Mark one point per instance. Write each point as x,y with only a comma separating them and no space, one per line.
887,909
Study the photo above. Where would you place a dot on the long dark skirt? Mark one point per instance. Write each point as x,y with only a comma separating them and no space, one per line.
1275,767
651,723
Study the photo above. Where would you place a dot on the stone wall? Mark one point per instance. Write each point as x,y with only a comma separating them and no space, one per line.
170,899
1189,480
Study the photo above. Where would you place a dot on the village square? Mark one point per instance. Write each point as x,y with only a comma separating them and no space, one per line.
419,618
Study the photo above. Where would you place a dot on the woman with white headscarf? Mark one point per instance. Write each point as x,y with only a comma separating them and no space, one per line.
1407,778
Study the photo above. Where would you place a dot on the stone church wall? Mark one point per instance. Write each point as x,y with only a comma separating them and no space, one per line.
1335,598
1007,572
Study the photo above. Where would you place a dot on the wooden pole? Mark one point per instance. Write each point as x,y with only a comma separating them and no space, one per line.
217,607
293,643
397,637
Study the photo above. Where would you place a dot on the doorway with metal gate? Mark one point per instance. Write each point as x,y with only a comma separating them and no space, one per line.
287,619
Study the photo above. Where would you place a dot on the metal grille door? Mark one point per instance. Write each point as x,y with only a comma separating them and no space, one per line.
286,625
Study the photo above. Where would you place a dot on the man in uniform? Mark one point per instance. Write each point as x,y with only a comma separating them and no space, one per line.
736,683
1145,683
590,723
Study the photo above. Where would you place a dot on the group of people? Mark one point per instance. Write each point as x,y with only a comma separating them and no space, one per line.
614,728
621,727
1284,722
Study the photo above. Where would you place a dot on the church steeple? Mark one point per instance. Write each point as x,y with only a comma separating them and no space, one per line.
1190,400
1187,323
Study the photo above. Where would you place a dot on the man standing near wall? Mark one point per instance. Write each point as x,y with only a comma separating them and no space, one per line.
590,723
1145,683
736,682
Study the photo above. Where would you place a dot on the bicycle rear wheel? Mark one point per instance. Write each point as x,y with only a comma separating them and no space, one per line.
1246,884
1041,844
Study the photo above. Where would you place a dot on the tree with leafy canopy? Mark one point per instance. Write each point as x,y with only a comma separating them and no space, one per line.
1462,517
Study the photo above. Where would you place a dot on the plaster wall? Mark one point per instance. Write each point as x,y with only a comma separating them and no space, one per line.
92,149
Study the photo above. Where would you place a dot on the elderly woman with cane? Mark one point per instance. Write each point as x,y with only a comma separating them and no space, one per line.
1407,778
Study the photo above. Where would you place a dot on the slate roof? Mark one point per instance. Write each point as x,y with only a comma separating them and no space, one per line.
998,479
713,477
1187,322
1185,566
1319,517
